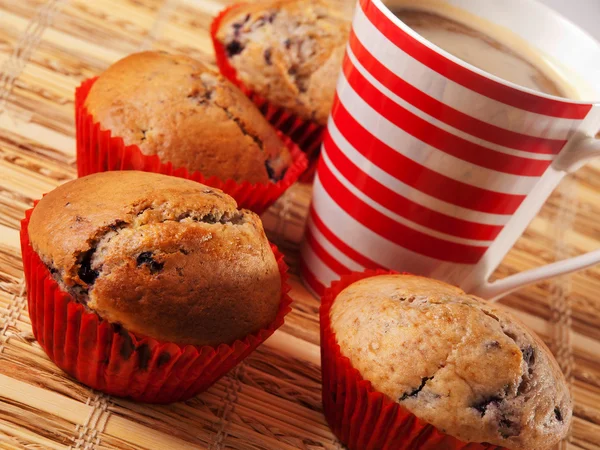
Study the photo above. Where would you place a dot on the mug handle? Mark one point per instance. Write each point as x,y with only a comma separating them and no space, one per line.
586,150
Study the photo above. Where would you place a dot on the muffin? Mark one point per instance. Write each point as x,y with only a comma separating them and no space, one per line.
454,368
289,52
176,108
154,258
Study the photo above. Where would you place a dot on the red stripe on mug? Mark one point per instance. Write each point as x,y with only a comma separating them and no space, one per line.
467,78
403,206
449,115
393,231
339,244
419,177
324,256
436,137
310,279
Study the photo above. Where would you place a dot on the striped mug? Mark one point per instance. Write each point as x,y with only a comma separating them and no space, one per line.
434,167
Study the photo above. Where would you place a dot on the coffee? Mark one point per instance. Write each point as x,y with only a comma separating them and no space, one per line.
481,50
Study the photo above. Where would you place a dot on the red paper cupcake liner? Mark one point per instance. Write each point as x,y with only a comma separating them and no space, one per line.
99,151
108,358
361,417
307,134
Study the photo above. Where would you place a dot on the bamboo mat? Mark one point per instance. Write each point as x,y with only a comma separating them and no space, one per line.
272,401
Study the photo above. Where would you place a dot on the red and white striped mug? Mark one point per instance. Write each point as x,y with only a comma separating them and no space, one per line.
434,167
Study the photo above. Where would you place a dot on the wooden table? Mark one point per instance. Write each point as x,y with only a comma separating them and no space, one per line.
272,401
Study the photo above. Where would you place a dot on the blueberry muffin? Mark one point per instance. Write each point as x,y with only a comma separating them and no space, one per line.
175,107
288,52
160,256
453,360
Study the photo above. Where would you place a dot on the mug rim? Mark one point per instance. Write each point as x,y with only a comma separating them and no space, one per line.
566,22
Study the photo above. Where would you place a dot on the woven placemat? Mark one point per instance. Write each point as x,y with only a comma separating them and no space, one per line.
272,401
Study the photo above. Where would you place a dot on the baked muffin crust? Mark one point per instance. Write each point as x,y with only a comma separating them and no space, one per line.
162,256
175,107
453,360
288,51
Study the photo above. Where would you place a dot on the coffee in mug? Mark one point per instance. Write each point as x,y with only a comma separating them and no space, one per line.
493,49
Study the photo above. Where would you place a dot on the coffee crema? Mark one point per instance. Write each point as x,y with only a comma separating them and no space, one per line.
519,64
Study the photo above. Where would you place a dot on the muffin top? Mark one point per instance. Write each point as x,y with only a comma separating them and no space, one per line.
175,107
288,51
453,360
162,256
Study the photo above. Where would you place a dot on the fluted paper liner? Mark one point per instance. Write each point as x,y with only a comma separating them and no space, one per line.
108,358
306,133
361,417
99,151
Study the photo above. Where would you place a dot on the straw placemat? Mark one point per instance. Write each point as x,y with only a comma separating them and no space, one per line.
272,401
